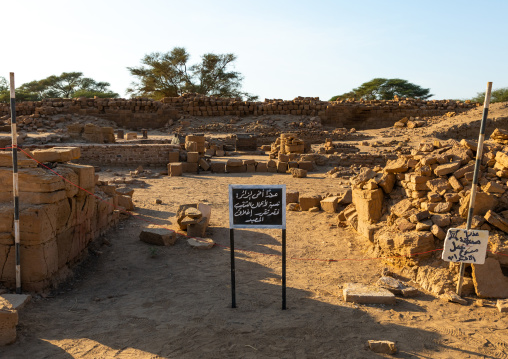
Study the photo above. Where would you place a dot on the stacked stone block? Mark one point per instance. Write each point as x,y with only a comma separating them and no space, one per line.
57,220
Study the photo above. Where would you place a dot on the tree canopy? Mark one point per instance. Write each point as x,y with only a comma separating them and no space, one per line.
499,95
169,74
66,85
385,89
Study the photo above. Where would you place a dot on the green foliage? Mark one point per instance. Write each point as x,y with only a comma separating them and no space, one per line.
4,90
67,85
168,75
385,89
499,95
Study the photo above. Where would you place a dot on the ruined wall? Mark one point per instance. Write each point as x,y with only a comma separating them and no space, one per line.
142,113
57,220
127,155
146,113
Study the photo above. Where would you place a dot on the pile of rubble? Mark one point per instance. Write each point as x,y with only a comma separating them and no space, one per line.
405,209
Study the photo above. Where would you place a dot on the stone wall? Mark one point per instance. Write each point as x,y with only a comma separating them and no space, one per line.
127,155
146,113
57,220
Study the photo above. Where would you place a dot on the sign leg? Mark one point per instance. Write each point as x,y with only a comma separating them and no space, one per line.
283,269
232,245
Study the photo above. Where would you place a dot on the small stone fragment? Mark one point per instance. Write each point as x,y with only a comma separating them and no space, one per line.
382,346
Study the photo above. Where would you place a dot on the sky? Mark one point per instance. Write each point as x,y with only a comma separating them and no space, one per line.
284,49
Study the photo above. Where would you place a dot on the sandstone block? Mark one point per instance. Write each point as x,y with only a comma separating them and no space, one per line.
438,232
489,280
308,201
330,204
497,221
200,243
298,172
383,346
493,187
174,156
236,169
441,220
387,182
218,167
197,229
261,167
189,167
193,157
175,169
484,202
502,305
125,202
203,164
291,196
367,294
369,204
233,162
86,175
306,165
8,322
396,166
158,236
282,167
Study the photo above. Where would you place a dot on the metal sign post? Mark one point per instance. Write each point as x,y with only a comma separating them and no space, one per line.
257,206
474,188
15,182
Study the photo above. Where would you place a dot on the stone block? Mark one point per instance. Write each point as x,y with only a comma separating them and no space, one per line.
193,157
447,168
125,202
367,294
197,229
131,136
189,167
502,305
158,236
330,204
282,167
203,164
292,196
306,165
456,185
497,221
396,166
438,232
308,201
200,243
236,169
218,167
86,175
174,156
369,204
8,322
387,182
483,203
382,346
489,280
261,167
233,162
298,172
175,169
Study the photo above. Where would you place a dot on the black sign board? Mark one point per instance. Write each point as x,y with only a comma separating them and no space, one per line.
257,206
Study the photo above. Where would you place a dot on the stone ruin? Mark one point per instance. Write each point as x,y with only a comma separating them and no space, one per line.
57,220
406,208
137,113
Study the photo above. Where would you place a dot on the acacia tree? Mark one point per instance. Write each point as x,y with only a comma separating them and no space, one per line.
66,85
386,89
169,75
499,95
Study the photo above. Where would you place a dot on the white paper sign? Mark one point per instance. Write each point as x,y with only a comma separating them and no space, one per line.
465,246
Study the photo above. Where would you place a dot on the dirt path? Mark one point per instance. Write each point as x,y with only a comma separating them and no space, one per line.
137,301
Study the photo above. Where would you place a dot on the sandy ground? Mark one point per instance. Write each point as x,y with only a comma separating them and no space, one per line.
138,301
133,300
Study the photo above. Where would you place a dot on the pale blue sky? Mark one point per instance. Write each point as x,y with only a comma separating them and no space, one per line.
285,48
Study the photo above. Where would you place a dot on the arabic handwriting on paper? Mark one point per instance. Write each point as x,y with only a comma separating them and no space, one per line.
465,246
